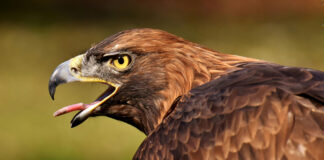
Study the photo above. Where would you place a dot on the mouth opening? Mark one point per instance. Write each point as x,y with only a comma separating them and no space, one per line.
86,109
82,106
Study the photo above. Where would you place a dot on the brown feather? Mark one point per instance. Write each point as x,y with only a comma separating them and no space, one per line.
253,113
209,105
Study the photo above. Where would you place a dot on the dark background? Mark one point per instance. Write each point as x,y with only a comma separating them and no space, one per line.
37,35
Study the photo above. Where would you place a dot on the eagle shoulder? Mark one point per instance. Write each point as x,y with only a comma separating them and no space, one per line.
262,111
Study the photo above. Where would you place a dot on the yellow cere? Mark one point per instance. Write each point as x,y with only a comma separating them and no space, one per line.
121,62
76,61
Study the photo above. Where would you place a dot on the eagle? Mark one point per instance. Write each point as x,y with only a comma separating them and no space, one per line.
195,103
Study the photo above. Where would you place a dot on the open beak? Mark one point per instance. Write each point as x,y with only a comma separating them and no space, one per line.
71,71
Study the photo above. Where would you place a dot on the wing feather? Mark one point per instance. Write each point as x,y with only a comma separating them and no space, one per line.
263,111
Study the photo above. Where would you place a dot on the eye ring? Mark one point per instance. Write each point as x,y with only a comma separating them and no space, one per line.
121,62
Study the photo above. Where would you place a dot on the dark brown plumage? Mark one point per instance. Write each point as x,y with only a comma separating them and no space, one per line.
195,103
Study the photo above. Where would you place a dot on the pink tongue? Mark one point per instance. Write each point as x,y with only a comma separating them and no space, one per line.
73,107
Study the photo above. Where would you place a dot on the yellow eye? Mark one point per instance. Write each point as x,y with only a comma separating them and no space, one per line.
121,62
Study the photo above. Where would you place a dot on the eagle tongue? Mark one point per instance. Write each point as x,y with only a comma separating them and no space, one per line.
73,107
82,106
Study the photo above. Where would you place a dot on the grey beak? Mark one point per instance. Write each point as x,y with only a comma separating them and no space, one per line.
62,74
70,71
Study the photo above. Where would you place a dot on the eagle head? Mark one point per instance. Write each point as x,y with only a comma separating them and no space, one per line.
145,71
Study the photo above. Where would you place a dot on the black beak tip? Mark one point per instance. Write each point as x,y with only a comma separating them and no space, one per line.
51,89
77,120
74,125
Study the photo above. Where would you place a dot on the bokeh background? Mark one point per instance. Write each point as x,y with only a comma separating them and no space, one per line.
37,35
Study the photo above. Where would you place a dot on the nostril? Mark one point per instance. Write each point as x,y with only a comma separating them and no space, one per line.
74,70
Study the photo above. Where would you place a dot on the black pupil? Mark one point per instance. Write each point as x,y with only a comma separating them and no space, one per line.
120,60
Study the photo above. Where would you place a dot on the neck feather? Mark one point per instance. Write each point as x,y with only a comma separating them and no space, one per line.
194,68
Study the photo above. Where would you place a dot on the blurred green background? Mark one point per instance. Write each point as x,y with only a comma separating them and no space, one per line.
35,36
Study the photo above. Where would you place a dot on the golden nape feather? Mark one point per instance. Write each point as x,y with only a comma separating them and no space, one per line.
199,104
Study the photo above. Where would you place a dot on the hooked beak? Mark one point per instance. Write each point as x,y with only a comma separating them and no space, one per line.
62,74
70,71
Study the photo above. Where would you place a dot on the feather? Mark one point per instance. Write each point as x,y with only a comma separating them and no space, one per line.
263,117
